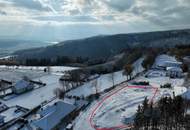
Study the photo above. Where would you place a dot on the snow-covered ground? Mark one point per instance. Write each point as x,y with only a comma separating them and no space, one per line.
105,81
38,68
123,105
35,97
11,114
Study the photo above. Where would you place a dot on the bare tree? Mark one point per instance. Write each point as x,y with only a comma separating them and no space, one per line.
60,93
128,69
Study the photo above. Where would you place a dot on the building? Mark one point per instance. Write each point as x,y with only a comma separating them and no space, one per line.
52,115
174,72
22,86
164,61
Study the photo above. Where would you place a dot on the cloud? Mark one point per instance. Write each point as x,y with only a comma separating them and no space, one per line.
133,15
3,13
30,4
119,5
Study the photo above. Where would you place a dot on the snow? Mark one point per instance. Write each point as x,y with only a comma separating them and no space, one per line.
155,73
16,75
161,59
105,81
122,106
119,107
138,66
37,96
38,68
11,114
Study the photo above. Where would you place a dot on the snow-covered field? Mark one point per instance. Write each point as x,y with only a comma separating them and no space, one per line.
121,106
111,110
35,97
38,68
105,81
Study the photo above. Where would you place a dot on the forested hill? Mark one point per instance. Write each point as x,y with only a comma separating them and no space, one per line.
106,46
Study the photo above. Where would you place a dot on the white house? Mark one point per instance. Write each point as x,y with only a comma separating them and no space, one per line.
22,86
52,115
174,72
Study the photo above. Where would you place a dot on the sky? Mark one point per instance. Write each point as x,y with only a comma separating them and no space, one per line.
58,20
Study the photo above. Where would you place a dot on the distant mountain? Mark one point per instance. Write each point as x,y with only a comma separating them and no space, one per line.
106,46
10,45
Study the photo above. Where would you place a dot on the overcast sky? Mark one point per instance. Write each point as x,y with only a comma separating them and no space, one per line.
57,20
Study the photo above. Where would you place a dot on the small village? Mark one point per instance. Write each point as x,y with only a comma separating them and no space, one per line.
29,99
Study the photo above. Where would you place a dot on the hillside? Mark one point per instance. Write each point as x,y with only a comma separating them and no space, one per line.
8,46
106,46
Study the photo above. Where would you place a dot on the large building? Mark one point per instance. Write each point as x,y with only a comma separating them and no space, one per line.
51,116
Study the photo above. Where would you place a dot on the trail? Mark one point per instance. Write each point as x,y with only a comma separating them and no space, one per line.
100,103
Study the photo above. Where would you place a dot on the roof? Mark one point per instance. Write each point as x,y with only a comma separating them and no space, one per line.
22,84
174,69
52,115
163,60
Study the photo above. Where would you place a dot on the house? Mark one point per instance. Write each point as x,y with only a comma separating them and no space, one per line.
22,86
52,115
2,119
174,72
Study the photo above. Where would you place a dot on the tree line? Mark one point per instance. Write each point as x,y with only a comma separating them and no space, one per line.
61,60
168,114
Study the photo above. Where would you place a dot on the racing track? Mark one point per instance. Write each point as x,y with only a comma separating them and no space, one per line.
99,104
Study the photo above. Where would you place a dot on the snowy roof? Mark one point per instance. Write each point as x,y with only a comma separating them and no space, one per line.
52,115
22,84
162,60
174,69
